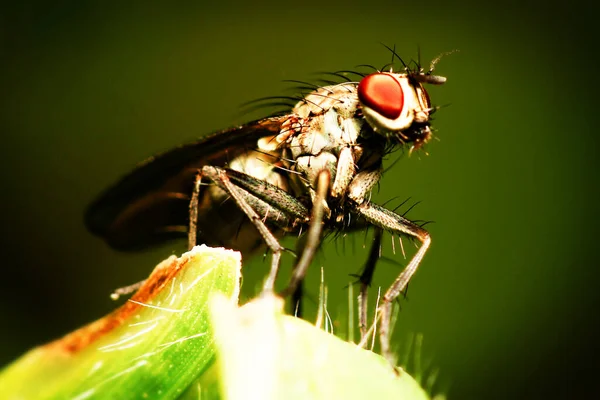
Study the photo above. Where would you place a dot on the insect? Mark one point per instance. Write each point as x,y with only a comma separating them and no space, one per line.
307,171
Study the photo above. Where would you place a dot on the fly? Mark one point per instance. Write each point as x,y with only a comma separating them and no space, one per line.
308,171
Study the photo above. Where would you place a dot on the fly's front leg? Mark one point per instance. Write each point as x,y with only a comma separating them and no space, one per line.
313,237
358,190
394,223
365,279
344,174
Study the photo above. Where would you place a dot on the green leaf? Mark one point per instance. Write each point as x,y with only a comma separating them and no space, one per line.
153,347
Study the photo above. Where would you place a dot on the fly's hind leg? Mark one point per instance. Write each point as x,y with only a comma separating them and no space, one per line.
219,176
394,223
260,201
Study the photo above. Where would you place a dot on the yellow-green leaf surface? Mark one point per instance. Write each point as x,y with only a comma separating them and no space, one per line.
153,347
264,354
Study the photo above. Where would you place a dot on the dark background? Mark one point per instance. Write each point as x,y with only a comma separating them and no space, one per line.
507,297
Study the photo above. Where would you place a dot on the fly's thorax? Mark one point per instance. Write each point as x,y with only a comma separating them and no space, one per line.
325,120
330,119
327,132
328,142
330,139
342,97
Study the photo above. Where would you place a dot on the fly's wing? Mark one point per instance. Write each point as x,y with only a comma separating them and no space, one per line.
150,204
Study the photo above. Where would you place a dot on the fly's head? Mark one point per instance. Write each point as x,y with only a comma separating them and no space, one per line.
397,105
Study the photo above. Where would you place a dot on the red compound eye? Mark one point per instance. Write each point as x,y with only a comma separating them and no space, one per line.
382,93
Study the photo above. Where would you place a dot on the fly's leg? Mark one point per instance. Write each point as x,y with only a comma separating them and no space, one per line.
220,176
126,290
193,229
394,223
365,279
261,200
358,190
296,305
297,309
254,195
193,226
313,236
270,194
269,212
289,205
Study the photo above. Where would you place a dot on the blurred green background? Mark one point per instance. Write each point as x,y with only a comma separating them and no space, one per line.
506,298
